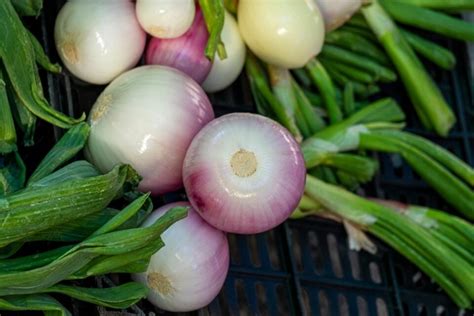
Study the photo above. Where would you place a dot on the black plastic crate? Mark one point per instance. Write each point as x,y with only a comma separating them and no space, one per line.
305,266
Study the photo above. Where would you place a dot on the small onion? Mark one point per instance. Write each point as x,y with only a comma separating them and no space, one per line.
284,33
147,118
165,18
336,13
185,53
224,72
244,173
98,40
190,270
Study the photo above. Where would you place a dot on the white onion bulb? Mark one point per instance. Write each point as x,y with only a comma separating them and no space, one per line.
190,270
284,33
147,118
165,18
98,40
224,72
336,13
244,173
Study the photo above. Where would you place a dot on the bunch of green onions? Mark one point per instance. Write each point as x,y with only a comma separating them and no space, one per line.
336,133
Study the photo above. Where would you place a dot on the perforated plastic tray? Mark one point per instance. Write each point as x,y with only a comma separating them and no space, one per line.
303,267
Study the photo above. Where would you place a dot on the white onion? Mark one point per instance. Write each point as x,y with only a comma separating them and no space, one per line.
98,40
224,72
285,33
336,13
244,173
189,271
147,117
165,18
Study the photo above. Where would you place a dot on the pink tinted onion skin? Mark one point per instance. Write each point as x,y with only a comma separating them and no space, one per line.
147,118
235,191
185,53
336,13
194,260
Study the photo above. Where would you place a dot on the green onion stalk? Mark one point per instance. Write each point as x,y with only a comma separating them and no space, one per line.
436,254
370,129
426,97
442,4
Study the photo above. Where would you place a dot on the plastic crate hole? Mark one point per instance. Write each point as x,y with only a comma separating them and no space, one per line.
261,299
282,299
234,249
315,250
422,310
343,306
305,302
382,309
355,264
375,273
242,301
253,247
440,310
362,307
272,247
296,249
324,307
334,255
418,280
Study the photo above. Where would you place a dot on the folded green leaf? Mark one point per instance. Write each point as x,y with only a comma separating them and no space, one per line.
7,126
34,302
57,204
28,7
12,175
65,149
119,297
23,118
17,54
76,170
111,244
41,58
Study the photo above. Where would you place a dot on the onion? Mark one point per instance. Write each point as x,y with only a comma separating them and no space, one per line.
244,173
336,13
147,117
165,18
224,72
285,33
189,271
185,53
98,40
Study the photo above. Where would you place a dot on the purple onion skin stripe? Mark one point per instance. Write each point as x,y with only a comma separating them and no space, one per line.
185,53
244,173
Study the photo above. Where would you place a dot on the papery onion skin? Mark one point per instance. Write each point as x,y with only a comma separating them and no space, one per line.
191,267
165,18
185,53
252,199
147,117
98,40
224,72
284,33
336,13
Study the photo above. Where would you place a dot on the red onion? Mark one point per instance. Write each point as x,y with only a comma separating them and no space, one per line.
147,118
244,173
185,53
189,271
